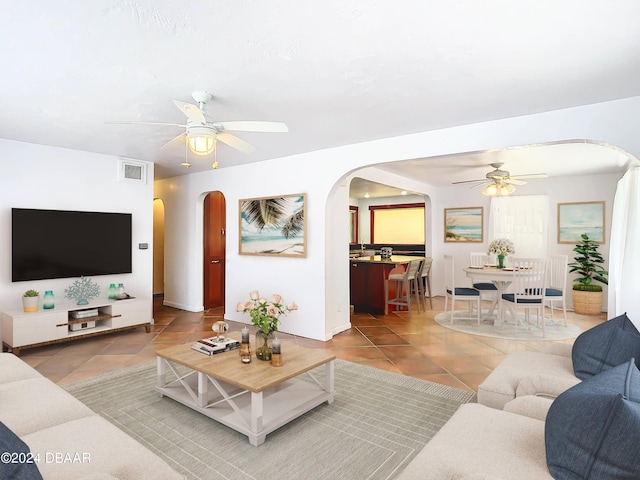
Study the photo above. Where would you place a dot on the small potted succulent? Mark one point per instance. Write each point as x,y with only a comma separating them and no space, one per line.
587,296
30,300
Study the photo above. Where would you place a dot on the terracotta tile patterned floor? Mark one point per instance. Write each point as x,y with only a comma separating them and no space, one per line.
417,347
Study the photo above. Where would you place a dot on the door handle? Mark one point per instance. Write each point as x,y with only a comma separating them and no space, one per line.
215,261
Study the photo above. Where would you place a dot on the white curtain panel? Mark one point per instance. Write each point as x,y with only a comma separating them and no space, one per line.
524,220
624,254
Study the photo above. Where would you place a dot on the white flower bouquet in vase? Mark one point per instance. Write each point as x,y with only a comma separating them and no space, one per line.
501,247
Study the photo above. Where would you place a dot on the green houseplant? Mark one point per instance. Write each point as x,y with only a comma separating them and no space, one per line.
587,295
30,300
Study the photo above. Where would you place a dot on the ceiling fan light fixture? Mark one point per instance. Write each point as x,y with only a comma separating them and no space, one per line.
500,189
490,190
202,144
507,189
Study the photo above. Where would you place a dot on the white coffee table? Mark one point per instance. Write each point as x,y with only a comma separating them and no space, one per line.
254,399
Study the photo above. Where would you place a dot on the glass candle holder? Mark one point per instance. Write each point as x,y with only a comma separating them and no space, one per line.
276,353
276,359
245,352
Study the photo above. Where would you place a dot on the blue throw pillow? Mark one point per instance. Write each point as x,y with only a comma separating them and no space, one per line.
605,346
592,430
17,462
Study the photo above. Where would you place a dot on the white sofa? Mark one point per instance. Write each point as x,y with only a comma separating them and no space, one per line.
69,440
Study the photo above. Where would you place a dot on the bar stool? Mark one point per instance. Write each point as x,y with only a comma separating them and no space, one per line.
406,287
425,281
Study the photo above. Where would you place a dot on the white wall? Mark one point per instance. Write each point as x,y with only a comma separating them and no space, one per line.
320,283
35,176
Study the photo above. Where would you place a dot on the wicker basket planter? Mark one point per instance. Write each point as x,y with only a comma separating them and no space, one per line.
587,303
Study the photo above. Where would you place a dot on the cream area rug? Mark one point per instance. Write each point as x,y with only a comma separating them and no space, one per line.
554,329
376,425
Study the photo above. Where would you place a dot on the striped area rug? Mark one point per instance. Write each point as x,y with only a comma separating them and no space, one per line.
377,423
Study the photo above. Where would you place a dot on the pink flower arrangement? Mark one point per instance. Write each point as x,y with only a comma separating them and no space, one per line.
265,314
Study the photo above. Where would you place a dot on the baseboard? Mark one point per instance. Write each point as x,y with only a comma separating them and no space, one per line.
180,306
337,330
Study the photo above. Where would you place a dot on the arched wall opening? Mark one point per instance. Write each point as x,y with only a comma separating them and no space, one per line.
437,198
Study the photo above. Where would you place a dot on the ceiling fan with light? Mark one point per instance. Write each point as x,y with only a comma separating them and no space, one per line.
500,182
202,133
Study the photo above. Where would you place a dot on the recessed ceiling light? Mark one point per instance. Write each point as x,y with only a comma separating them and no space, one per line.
403,192
366,195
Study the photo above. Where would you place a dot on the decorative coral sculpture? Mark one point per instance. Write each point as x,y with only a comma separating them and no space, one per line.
82,290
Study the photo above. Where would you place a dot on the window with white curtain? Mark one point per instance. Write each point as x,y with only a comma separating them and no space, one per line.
523,219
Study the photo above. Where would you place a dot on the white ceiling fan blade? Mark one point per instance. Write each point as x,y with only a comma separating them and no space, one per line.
235,142
514,181
470,181
179,140
480,184
148,123
532,175
251,126
191,111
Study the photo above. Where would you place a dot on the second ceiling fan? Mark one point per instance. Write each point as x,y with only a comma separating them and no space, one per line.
500,182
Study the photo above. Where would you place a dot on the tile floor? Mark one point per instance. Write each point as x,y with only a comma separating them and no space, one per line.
417,347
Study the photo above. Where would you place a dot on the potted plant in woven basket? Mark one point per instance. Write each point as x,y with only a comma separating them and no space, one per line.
587,296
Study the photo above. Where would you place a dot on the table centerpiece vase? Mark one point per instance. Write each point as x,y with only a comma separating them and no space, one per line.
264,347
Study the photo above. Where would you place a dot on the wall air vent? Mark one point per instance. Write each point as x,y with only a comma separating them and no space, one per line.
129,171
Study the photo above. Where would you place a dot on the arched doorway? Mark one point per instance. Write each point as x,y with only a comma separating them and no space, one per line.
214,250
158,248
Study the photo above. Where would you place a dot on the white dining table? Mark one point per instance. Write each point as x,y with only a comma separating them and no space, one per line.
501,278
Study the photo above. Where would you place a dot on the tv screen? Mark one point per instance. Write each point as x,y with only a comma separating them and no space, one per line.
50,244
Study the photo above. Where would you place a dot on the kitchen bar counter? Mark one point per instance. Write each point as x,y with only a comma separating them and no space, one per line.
395,259
367,276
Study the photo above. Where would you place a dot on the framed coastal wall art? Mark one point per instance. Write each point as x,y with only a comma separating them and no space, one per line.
574,219
273,226
463,224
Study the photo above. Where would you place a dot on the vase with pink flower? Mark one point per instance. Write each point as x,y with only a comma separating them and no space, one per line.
265,315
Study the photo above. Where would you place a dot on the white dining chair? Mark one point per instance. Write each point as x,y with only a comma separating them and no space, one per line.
458,293
487,290
529,283
556,284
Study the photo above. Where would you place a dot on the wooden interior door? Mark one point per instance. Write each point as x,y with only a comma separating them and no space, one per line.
214,249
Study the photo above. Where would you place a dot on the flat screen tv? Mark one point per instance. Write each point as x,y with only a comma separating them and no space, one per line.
50,244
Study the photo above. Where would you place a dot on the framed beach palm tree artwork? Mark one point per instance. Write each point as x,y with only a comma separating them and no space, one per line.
273,226
463,224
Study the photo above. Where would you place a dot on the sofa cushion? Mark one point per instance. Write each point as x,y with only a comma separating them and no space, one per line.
12,369
501,384
530,406
605,346
479,440
17,462
96,446
592,430
35,403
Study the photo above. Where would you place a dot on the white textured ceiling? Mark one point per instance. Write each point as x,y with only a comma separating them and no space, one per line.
336,71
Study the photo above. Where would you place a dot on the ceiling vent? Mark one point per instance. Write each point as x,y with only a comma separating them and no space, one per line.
133,172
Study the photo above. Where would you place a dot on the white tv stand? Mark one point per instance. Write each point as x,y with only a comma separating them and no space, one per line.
45,327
